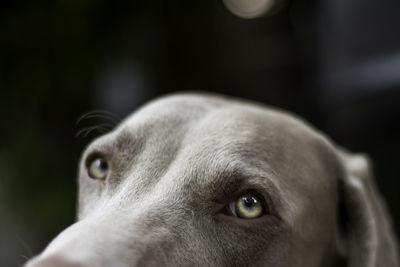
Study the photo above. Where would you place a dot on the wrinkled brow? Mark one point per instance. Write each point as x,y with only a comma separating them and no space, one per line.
125,143
224,184
127,140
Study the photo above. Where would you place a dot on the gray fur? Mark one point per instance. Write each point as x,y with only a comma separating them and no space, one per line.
175,164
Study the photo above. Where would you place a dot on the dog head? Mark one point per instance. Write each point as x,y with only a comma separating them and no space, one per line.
193,180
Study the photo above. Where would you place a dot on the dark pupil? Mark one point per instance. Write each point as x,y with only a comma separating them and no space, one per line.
103,165
249,202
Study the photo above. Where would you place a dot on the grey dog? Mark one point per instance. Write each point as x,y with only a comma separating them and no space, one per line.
201,180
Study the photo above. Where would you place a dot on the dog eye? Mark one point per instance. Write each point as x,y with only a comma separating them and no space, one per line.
247,206
98,169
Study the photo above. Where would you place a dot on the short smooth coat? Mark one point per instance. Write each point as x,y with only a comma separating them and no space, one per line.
178,161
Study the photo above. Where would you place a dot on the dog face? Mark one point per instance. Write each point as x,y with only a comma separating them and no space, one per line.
193,180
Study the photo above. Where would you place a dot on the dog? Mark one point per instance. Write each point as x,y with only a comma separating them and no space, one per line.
205,180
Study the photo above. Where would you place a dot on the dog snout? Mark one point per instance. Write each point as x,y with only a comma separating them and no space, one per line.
53,261
99,241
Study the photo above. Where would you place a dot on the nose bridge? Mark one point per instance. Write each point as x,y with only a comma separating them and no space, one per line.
127,229
114,233
79,238
95,241
153,200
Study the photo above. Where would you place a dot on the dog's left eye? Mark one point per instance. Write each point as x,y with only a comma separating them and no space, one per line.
98,168
247,206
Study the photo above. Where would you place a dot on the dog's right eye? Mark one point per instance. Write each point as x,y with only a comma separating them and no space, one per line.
98,168
247,206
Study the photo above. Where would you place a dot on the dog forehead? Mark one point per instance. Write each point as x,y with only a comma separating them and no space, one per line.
169,124
183,107
190,120
210,111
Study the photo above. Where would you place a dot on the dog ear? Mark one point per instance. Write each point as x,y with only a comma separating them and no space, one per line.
365,235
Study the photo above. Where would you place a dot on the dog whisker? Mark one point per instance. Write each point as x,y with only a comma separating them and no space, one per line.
108,121
101,128
101,114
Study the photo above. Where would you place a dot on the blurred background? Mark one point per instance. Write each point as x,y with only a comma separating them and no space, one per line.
334,62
